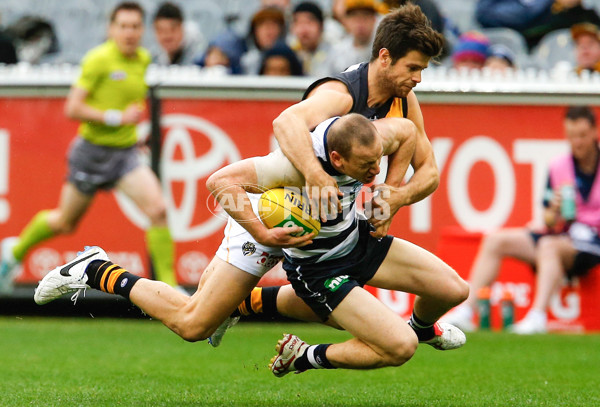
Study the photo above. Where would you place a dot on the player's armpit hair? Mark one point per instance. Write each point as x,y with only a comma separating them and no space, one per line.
275,170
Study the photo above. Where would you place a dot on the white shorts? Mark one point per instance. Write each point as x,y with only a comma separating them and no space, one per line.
239,249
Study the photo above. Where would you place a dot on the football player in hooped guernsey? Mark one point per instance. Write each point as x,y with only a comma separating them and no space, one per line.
328,274
404,44
108,99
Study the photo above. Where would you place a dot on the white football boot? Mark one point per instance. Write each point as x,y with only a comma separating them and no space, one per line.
447,337
217,336
68,278
288,350
534,323
9,266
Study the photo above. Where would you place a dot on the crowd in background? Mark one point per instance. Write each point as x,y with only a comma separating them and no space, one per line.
290,37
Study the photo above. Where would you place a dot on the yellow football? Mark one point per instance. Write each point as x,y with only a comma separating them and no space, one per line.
284,207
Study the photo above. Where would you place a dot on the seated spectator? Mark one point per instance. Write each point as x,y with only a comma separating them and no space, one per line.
471,51
533,19
587,47
568,246
266,28
35,39
308,40
223,55
176,39
280,60
500,58
360,20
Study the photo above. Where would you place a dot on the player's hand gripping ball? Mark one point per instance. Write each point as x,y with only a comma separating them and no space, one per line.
285,207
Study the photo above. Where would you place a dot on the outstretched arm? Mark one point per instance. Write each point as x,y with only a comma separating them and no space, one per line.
230,186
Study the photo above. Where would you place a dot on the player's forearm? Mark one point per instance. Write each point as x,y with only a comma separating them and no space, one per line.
423,183
84,113
294,140
230,186
234,200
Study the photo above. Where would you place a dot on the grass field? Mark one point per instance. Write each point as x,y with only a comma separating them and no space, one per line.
110,362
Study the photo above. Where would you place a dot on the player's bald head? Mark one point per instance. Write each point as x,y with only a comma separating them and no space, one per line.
351,130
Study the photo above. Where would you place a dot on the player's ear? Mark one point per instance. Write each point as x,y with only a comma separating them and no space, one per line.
335,158
384,56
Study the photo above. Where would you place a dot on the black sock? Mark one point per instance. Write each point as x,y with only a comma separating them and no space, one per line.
314,358
423,329
262,300
110,278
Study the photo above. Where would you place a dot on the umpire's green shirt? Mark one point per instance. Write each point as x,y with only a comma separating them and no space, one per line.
113,81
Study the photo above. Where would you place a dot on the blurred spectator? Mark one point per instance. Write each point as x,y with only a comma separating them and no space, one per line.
280,60
471,51
178,41
360,20
35,39
308,41
533,18
266,28
569,244
223,55
587,47
8,53
500,58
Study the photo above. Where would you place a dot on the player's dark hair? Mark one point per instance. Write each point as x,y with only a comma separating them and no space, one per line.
126,5
169,10
581,112
350,130
406,29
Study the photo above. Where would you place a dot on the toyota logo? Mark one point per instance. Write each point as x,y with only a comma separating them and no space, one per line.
193,148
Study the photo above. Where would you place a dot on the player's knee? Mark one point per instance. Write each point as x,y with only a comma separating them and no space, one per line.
194,332
457,290
63,227
157,214
401,351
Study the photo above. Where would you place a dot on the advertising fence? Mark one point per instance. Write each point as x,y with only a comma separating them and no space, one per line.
492,155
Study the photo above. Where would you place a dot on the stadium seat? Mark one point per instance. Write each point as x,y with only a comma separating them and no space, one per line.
238,14
459,12
554,48
209,17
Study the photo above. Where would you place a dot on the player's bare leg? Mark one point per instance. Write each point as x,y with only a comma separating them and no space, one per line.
381,338
195,318
412,269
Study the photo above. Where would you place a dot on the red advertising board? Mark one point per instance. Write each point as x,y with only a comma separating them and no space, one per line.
492,158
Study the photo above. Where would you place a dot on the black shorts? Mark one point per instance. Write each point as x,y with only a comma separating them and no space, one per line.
93,167
324,285
583,262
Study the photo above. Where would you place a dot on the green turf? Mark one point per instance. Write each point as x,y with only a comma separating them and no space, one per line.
105,362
